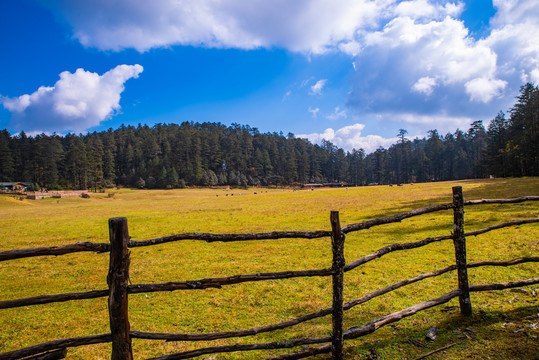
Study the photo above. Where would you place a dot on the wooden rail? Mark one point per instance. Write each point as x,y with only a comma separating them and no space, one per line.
118,291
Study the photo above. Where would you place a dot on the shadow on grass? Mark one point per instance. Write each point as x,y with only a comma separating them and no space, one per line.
495,189
487,189
510,334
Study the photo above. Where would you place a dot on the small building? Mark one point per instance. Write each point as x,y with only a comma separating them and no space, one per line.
312,186
15,186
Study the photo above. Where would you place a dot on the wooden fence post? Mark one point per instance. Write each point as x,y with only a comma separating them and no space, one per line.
117,279
337,242
459,242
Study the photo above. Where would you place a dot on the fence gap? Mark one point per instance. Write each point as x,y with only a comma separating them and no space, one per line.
337,242
459,242
117,279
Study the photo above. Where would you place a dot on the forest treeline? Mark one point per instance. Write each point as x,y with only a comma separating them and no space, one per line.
172,155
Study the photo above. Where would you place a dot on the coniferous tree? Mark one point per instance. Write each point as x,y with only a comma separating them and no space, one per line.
524,131
7,168
497,137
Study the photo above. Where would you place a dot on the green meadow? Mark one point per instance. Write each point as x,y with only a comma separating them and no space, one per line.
505,324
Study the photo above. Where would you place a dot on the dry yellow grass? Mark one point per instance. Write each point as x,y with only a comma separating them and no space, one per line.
26,223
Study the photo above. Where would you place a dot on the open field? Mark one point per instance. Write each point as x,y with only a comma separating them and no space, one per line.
494,331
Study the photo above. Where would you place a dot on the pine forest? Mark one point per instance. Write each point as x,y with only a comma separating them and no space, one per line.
211,154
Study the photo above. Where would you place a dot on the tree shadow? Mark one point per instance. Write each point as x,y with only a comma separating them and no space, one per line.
496,334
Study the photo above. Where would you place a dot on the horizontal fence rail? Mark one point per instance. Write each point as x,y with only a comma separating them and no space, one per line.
237,279
118,291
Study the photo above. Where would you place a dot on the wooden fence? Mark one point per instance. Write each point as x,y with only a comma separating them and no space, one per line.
119,289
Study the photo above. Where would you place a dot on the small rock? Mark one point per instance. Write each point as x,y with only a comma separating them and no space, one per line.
431,334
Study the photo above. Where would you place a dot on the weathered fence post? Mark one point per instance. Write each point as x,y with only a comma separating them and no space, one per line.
460,251
117,279
337,242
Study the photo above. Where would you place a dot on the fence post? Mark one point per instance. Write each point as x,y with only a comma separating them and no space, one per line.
337,242
117,279
459,242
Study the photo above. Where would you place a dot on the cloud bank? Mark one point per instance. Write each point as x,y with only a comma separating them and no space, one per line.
77,101
311,26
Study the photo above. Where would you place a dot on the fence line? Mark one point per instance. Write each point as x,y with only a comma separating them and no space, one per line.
118,291
236,279
208,237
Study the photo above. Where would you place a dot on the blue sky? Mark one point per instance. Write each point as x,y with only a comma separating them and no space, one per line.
350,71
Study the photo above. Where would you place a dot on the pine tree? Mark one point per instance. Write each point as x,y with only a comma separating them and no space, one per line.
7,168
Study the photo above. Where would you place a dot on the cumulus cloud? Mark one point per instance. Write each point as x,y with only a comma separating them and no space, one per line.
428,70
310,26
316,89
483,89
425,85
349,137
76,102
439,48
512,40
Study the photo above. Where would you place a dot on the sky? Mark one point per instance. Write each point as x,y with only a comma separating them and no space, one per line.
353,72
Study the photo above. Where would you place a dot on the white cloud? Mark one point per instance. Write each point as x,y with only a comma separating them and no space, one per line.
316,89
484,90
349,137
419,124
425,85
534,76
412,71
513,39
423,122
20,103
76,102
417,9
352,48
337,114
515,12
309,26
314,111
439,49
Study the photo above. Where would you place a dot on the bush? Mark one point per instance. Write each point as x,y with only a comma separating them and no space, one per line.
34,187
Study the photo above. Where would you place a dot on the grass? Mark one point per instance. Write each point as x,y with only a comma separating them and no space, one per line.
504,325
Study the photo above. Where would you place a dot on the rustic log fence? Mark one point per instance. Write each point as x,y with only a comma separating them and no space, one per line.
118,275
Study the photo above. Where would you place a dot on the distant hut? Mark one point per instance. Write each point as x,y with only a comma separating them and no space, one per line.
15,186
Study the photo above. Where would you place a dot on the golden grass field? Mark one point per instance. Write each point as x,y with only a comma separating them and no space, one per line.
505,324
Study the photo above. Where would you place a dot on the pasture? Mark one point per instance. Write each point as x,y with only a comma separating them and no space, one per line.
505,323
